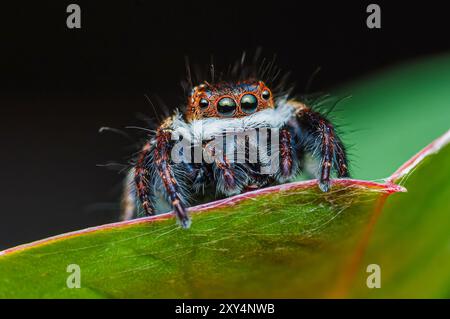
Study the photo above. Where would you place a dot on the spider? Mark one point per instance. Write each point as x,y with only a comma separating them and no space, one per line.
156,183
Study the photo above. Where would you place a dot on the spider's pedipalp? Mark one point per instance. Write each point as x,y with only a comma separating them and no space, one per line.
229,177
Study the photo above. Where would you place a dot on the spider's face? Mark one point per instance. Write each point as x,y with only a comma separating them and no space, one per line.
228,100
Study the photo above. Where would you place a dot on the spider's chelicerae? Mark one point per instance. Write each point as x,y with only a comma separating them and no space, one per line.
158,183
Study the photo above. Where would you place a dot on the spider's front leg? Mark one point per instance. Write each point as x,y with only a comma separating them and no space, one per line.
288,162
318,137
162,153
154,158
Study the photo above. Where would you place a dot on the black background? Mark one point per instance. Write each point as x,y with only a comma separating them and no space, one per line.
60,85
284,308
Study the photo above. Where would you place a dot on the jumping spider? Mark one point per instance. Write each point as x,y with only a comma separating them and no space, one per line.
155,180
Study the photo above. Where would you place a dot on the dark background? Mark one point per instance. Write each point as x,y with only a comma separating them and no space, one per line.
60,85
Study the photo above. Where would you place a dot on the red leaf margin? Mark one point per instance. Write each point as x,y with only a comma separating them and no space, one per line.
412,163
389,187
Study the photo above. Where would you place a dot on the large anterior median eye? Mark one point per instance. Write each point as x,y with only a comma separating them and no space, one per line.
249,103
226,106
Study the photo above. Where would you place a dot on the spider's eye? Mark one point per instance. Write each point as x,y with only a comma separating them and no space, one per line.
249,103
203,103
265,94
226,106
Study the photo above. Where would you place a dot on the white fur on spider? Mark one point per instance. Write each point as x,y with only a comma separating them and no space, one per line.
207,129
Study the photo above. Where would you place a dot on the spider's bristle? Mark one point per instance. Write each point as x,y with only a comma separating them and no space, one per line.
243,69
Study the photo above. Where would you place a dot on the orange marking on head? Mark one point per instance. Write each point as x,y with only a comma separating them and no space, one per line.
226,100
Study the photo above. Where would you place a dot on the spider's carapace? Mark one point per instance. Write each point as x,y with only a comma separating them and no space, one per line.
227,99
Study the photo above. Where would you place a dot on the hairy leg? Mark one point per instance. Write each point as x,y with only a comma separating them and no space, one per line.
165,171
318,137
142,179
154,158
288,167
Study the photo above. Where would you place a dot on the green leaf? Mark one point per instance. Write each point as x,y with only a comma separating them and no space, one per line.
283,241
411,240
